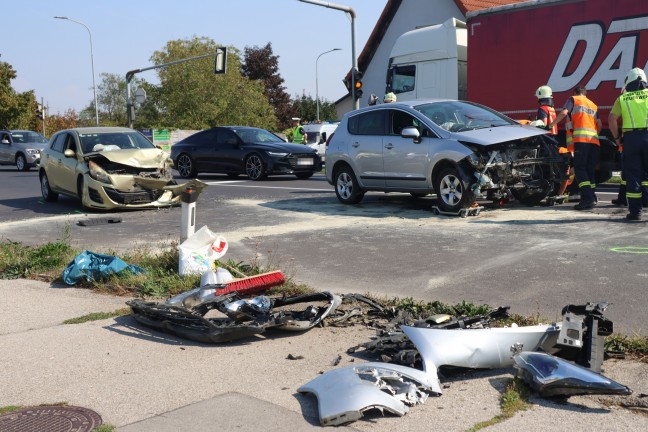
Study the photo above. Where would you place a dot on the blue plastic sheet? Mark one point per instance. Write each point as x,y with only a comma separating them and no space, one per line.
90,266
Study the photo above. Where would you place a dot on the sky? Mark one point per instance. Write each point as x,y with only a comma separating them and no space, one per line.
52,56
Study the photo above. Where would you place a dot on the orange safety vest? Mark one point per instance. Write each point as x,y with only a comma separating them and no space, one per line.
551,116
583,116
569,136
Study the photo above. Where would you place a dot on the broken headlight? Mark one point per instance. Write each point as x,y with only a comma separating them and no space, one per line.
98,173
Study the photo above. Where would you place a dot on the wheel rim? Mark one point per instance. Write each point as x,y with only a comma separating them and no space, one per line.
345,185
451,190
184,165
20,163
44,186
254,167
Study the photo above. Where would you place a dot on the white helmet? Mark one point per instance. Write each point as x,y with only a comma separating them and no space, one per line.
633,75
543,92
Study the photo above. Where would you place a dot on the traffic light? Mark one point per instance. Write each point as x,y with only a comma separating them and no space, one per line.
39,111
357,85
220,62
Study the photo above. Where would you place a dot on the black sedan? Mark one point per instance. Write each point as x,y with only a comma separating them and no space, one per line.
235,150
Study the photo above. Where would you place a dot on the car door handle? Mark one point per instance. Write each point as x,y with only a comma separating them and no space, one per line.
389,146
355,144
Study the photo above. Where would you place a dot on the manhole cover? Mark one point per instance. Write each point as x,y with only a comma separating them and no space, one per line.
50,419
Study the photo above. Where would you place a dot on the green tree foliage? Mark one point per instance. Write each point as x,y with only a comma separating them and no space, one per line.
17,110
57,122
261,64
111,98
305,107
193,97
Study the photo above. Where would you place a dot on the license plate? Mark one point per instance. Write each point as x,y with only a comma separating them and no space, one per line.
304,161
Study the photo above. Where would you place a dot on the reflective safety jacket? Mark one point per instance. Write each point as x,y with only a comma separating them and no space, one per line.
634,109
583,117
551,116
298,136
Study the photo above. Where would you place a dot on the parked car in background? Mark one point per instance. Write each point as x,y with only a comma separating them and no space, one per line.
108,167
456,149
317,134
21,148
235,150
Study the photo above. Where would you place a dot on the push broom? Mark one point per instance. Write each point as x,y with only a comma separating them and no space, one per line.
253,284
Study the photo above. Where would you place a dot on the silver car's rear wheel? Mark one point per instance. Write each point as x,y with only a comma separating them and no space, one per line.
453,192
46,191
346,186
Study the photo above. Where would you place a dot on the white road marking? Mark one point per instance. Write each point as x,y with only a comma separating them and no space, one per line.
237,183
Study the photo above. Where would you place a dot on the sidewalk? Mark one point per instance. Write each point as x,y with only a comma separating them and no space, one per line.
142,380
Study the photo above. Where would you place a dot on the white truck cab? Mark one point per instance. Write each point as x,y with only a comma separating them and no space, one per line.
317,134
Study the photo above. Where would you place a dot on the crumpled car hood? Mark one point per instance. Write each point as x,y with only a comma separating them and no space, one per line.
343,394
494,135
137,158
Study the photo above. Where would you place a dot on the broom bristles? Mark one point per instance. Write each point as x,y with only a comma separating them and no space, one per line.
254,284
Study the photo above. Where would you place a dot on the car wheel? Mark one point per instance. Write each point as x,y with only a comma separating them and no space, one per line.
21,163
529,199
346,186
453,192
48,194
254,167
304,175
185,166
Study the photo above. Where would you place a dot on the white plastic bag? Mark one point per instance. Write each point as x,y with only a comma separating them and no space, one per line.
198,252
211,277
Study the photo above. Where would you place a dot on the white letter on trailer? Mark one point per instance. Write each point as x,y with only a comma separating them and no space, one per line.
592,35
624,51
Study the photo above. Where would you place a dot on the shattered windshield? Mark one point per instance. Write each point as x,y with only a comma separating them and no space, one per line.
461,116
111,141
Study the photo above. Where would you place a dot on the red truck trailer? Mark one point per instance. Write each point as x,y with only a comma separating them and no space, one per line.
514,49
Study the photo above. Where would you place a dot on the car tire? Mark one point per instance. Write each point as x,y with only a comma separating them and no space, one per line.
453,193
347,188
255,167
21,163
531,199
48,194
185,166
304,175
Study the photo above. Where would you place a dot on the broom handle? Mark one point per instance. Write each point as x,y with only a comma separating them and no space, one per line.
234,270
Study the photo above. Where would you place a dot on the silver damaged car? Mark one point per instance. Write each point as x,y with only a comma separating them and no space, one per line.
458,150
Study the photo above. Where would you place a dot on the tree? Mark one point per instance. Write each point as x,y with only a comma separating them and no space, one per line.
193,97
57,122
261,64
305,107
17,110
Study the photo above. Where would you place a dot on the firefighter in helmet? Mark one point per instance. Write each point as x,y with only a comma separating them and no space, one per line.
632,108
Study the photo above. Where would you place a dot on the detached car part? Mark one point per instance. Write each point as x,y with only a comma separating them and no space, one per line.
344,394
244,317
477,348
552,376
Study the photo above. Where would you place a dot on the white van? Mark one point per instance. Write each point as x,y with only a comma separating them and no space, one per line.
317,134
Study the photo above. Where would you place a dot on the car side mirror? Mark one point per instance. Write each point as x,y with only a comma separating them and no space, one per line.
69,153
411,132
323,138
5,141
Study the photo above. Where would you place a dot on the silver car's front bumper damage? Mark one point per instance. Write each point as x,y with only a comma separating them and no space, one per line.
344,394
477,348
552,376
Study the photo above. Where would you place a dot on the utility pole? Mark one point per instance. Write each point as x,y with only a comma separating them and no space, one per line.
44,116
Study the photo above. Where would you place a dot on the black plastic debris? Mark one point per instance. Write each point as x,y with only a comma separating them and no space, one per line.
99,221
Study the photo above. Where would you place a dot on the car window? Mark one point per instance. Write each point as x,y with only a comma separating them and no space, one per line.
4,136
461,116
368,123
70,143
401,120
59,142
113,141
209,136
28,137
253,135
403,79
226,136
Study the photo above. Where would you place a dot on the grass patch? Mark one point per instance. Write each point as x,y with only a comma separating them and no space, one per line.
20,261
514,399
8,409
96,316
104,428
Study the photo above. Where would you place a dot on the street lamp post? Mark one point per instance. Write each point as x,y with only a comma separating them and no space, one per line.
316,81
94,87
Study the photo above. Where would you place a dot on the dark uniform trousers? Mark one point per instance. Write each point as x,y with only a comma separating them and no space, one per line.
635,168
586,156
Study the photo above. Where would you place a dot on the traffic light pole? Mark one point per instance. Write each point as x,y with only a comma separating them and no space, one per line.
131,74
44,111
354,59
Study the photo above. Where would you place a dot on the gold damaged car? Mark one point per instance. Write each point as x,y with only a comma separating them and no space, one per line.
107,168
